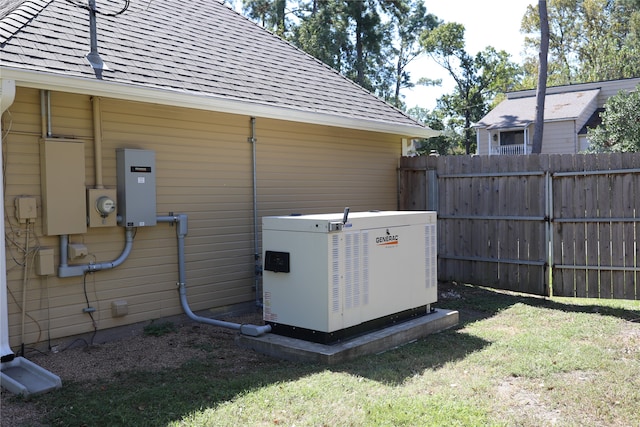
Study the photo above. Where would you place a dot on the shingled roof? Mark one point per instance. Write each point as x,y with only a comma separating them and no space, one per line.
520,112
196,53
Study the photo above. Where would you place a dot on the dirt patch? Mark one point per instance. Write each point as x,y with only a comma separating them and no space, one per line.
134,351
523,403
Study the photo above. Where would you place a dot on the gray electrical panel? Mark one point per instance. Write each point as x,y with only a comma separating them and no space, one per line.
136,173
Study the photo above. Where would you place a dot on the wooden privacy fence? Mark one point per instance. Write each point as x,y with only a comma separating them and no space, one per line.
563,225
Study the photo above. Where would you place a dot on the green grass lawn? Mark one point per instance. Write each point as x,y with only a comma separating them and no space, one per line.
512,360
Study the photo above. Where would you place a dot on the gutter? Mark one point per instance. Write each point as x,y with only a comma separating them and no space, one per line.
163,96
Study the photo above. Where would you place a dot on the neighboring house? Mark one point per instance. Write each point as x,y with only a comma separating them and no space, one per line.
227,111
568,112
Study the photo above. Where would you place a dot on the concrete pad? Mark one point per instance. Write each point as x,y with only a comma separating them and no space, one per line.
377,341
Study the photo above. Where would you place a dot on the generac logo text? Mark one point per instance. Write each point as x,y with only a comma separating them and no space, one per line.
391,239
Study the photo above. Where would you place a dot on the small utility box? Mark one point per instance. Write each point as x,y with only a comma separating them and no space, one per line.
326,279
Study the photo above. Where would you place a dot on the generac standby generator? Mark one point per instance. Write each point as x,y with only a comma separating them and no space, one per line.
332,276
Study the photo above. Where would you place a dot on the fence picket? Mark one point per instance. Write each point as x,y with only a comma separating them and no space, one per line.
492,227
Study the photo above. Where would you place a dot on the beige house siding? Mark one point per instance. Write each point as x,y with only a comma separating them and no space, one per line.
553,138
482,140
204,170
559,137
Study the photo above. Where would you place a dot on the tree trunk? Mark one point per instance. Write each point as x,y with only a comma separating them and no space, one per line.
399,69
541,91
359,46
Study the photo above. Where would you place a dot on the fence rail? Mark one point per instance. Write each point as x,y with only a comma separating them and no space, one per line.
565,225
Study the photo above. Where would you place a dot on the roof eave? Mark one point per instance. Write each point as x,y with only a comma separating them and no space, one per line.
49,81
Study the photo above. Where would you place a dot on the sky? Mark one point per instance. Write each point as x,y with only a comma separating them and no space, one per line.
487,23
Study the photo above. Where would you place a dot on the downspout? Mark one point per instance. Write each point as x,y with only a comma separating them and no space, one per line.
181,231
6,354
18,375
256,253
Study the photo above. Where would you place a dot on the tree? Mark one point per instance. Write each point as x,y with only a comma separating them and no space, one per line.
324,33
620,128
369,41
477,78
410,21
589,40
271,14
541,92
445,143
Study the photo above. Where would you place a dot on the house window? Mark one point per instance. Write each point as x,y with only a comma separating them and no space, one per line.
515,137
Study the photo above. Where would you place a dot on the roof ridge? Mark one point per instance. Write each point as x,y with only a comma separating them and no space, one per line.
20,16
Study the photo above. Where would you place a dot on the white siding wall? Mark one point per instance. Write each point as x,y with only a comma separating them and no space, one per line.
559,137
483,141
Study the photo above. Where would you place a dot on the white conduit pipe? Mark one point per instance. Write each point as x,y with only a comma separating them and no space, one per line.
181,231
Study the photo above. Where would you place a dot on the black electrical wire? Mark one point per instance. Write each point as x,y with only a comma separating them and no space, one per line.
86,297
80,5
123,10
97,12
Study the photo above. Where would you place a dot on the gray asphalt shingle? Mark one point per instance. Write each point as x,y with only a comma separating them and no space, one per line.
198,46
519,112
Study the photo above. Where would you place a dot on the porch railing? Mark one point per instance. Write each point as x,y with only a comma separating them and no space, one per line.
510,150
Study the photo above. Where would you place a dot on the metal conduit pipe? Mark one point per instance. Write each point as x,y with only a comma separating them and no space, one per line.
43,114
64,252
181,231
97,140
256,253
65,270
49,125
128,238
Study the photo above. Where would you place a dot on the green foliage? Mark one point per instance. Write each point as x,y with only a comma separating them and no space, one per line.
369,41
478,78
449,142
620,128
590,40
270,14
158,329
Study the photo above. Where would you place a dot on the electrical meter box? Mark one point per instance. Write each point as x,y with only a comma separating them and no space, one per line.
136,175
333,276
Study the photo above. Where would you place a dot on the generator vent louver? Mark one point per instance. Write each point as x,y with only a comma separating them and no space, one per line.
375,268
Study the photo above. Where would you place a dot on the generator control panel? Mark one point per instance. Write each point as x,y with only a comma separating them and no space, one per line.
136,175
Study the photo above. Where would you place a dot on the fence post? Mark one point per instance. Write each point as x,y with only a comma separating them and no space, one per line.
431,187
549,231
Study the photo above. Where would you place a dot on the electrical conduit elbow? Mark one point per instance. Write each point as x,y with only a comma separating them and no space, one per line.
65,270
181,232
